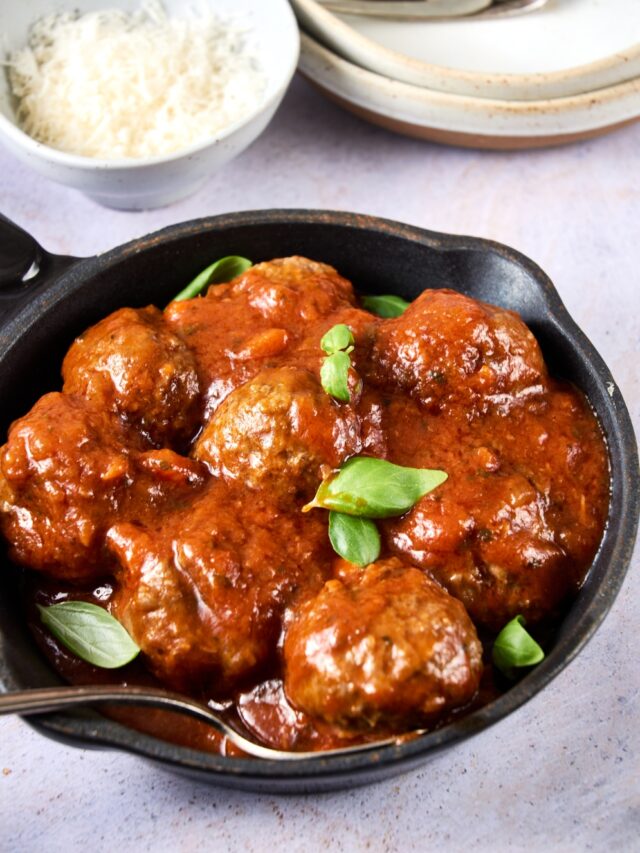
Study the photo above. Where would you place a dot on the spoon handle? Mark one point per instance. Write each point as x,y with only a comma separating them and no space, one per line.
47,699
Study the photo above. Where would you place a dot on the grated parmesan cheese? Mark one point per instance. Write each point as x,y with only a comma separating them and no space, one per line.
111,84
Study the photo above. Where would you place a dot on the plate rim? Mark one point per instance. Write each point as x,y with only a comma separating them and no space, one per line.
358,48
356,85
461,139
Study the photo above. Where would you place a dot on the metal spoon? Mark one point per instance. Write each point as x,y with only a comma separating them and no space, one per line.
48,699
425,10
408,9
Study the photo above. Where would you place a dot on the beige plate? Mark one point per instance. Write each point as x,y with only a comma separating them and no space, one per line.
470,122
566,48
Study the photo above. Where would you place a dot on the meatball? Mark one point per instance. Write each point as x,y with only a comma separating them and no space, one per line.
203,591
196,633
131,363
494,548
565,457
519,520
295,291
388,647
280,431
65,471
450,350
240,327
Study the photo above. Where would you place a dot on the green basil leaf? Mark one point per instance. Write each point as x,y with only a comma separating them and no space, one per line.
514,647
223,270
90,632
334,374
386,305
337,338
355,539
375,488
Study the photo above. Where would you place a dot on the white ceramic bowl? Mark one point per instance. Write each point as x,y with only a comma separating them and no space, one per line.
566,48
460,120
154,181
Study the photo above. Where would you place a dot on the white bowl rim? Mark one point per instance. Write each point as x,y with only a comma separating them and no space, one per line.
92,164
344,33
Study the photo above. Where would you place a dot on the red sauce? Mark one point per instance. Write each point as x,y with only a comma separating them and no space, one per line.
166,482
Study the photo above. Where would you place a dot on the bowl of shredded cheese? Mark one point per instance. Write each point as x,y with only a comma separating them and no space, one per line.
137,103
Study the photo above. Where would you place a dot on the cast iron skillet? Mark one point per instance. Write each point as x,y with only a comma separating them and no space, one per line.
40,317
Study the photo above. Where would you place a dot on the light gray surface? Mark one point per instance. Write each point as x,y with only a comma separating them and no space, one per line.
562,773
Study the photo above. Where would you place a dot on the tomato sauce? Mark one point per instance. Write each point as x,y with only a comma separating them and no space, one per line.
166,482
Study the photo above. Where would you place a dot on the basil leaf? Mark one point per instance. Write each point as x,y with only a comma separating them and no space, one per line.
337,338
386,305
375,488
334,374
355,539
90,632
223,270
514,647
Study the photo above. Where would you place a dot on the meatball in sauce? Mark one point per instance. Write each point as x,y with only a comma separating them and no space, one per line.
132,364
388,646
280,431
167,482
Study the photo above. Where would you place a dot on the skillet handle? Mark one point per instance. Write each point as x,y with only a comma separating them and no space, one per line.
20,254
25,268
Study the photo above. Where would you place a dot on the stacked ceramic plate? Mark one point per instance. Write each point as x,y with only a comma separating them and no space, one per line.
566,71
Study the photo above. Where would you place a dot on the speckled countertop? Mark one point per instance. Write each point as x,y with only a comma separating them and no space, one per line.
563,772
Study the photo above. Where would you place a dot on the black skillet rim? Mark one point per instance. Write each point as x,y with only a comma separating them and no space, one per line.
92,730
